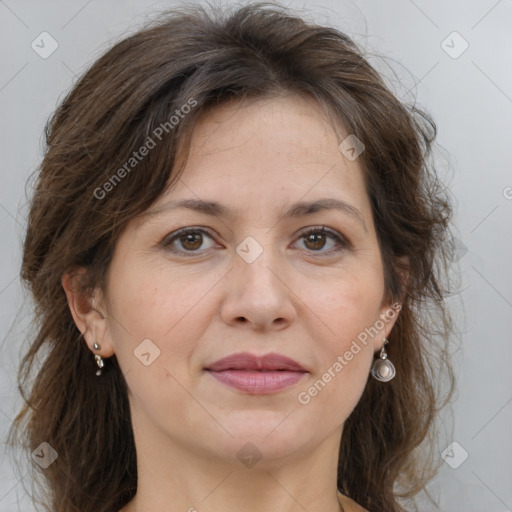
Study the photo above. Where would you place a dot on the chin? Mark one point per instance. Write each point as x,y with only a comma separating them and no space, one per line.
263,434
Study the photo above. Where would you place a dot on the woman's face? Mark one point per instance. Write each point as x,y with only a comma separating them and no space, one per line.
248,283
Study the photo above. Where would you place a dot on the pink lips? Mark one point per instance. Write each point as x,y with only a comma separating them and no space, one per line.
257,374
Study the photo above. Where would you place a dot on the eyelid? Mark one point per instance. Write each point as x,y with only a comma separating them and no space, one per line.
343,243
174,235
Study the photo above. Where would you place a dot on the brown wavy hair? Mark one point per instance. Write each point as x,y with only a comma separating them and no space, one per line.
212,56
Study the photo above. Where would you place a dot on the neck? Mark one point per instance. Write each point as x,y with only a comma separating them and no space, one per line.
172,476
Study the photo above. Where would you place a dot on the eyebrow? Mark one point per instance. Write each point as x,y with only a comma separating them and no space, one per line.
300,209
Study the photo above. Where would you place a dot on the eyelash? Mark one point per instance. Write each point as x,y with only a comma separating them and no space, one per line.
341,241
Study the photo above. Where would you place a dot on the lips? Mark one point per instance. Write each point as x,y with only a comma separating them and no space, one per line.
245,361
257,374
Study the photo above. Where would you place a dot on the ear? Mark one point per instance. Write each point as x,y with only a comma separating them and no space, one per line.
389,312
88,310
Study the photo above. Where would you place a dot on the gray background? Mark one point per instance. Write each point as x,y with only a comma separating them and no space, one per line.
470,97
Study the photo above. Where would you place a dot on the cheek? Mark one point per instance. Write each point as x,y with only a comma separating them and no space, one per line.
350,310
148,304
152,302
350,306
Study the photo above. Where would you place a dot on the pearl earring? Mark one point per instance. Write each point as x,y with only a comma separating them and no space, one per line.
99,359
383,369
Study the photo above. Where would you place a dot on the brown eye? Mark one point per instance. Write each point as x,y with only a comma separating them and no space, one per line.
316,239
191,241
188,240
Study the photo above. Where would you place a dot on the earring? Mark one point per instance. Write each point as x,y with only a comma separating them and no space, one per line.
383,369
99,359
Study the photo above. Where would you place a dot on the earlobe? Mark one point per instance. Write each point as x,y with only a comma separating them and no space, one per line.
389,313
87,315
387,318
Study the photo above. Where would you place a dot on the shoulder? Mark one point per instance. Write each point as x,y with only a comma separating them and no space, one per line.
350,505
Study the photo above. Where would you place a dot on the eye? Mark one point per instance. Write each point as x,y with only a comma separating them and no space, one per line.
191,239
316,238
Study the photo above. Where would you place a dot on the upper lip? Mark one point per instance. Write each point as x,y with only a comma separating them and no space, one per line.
246,361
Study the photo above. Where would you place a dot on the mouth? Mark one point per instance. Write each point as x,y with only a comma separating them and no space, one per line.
257,374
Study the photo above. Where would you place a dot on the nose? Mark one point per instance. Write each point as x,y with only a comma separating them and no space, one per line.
258,295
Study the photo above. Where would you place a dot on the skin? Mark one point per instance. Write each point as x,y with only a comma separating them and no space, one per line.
298,298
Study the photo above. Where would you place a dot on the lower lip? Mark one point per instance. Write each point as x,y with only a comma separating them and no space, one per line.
257,382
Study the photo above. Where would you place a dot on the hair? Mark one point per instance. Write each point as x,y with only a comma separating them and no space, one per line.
82,201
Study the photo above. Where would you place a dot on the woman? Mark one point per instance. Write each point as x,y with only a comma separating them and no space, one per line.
233,244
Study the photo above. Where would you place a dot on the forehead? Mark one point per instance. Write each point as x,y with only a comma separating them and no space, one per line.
263,161
289,124
261,155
